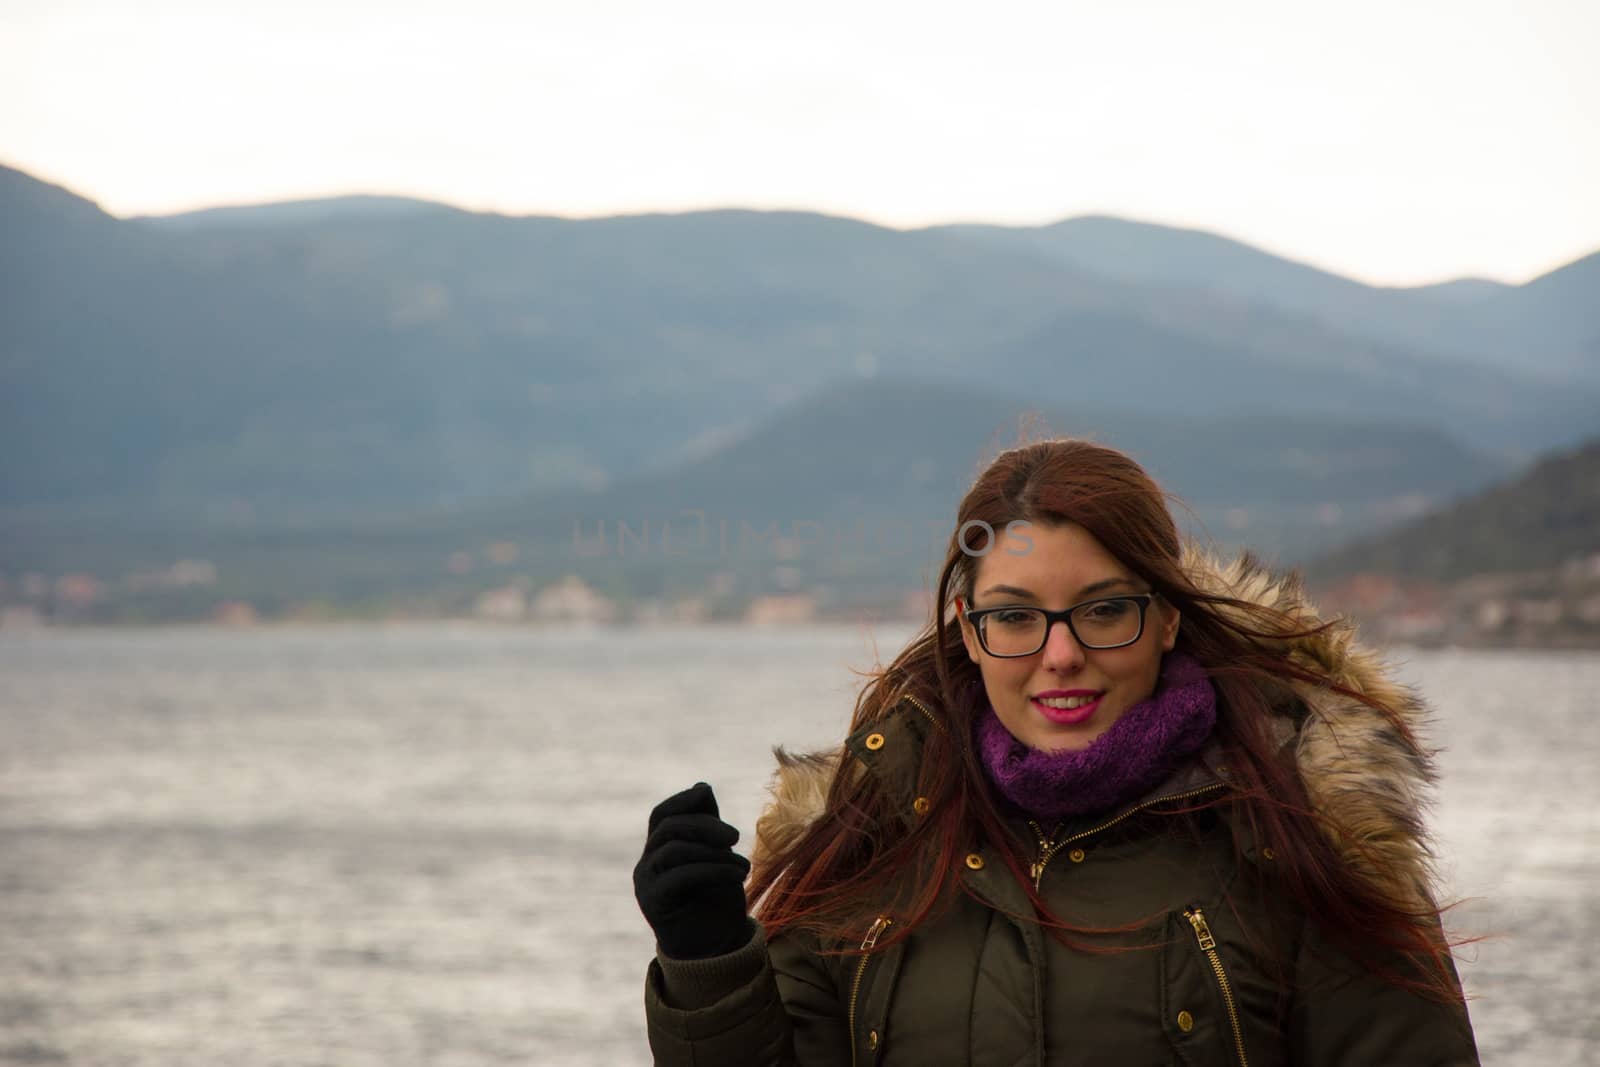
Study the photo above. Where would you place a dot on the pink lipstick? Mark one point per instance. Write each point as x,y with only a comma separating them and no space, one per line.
1066,716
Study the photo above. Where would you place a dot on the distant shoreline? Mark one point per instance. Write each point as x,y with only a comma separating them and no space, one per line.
1566,644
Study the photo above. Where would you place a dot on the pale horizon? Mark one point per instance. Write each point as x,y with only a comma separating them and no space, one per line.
1395,145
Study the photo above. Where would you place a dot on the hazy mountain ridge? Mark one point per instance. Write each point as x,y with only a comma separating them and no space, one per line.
291,213
1544,517
863,477
433,358
909,448
460,357
1514,565
334,398
1550,324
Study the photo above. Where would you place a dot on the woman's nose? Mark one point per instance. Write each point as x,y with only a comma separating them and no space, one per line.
1061,650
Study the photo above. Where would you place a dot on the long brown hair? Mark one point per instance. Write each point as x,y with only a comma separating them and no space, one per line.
857,859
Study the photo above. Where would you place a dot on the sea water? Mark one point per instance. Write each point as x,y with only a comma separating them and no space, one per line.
412,845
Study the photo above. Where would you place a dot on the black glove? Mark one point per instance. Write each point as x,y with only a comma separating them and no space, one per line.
690,882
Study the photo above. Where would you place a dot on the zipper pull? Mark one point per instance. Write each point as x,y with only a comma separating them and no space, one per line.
1047,846
879,925
1197,919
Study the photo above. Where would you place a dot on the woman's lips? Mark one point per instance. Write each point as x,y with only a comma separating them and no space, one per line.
1067,716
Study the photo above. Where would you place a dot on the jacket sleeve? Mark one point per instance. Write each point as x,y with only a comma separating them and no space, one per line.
1343,1016
762,1005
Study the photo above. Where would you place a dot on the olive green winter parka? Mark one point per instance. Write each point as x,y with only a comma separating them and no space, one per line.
1215,970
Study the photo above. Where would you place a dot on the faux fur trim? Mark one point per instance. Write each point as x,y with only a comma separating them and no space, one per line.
1361,773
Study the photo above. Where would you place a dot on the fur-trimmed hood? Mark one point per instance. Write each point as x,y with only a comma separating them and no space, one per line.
1362,773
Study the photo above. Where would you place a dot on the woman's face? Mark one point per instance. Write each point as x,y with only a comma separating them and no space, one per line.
1057,567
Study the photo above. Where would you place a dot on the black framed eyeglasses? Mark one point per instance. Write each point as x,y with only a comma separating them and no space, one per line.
1105,622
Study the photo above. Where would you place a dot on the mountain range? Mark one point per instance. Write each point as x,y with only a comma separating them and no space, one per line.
404,372
1545,519
1549,326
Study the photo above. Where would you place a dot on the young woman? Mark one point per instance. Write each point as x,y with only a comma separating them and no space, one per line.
1117,804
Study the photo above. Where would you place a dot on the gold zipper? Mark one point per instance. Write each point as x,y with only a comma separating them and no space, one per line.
920,706
879,925
1208,945
1048,848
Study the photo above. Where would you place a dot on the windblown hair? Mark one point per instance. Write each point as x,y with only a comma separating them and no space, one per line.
859,858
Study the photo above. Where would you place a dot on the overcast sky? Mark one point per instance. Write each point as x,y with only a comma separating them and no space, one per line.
1399,142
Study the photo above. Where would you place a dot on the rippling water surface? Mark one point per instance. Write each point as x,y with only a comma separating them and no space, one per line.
412,845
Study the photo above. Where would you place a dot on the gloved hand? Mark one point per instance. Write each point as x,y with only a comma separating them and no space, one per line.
690,882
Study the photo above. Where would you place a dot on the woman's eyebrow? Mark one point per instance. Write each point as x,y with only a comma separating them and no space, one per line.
1104,584
1009,590
1087,591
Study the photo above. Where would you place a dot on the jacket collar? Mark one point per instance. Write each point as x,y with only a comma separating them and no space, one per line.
1367,780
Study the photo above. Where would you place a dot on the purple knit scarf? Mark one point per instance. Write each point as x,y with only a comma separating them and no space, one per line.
1139,751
